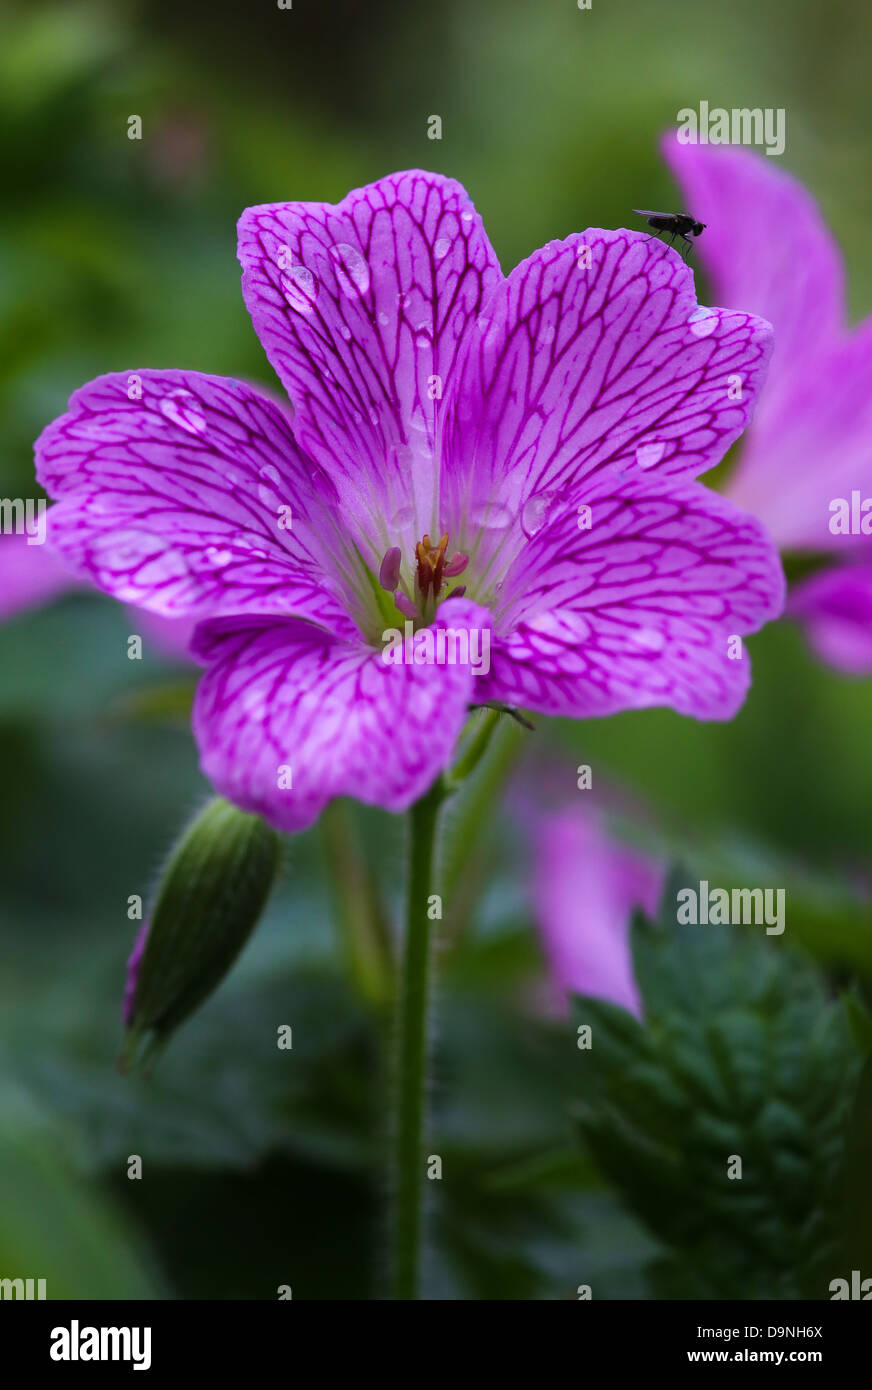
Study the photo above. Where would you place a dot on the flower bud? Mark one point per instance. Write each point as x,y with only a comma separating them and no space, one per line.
211,895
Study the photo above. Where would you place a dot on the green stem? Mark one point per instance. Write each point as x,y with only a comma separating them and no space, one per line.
358,906
410,1080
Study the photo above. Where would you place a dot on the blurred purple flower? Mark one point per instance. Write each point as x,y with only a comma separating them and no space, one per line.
545,428
585,888
32,576
767,248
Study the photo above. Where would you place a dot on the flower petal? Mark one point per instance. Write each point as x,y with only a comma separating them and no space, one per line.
594,354
283,702
818,450
585,887
767,249
836,610
361,307
638,609
173,499
30,576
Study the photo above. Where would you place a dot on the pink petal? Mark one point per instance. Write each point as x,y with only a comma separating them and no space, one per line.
836,609
819,449
173,501
30,576
361,307
767,249
585,888
637,610
574,370
286,695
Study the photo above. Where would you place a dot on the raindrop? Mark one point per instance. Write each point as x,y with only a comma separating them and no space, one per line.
352,271
300,289
647,455
493,516
218,558
267,489
467,215
535,511
404,517
703,321
442,247
346,332
383,319
179,407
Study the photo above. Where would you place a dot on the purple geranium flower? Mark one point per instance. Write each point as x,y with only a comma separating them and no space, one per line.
767,248
513,456
585,888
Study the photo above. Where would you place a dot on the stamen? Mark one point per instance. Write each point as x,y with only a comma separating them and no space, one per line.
456,565
389,569
405,605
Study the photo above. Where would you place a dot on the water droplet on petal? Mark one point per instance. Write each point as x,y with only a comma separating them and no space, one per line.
300,289
467,215
352,271
218,558
267,489
383,319
493,516
346,332
647,455
180,408
534,512
703,321
442,247
402,518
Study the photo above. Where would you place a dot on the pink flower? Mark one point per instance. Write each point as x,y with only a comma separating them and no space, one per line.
585,888
535,436
767,248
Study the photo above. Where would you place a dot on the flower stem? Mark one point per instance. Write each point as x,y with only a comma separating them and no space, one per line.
410,1081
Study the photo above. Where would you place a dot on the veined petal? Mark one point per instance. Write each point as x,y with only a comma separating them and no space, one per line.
188,497
361,307
835,608
767,250
594,355
639,608
288,717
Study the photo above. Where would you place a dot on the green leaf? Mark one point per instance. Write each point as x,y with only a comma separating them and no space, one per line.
741,1056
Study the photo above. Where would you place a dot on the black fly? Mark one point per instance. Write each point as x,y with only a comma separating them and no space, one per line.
678,224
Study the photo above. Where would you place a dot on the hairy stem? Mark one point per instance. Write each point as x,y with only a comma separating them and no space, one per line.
412,1058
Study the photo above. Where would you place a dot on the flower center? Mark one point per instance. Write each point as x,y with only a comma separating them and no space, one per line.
420,596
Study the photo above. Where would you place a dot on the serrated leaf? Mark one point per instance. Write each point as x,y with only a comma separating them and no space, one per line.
741,1056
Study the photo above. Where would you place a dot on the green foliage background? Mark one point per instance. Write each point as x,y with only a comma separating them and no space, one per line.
264,1168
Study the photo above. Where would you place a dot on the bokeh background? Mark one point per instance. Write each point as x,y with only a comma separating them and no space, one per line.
262,1168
